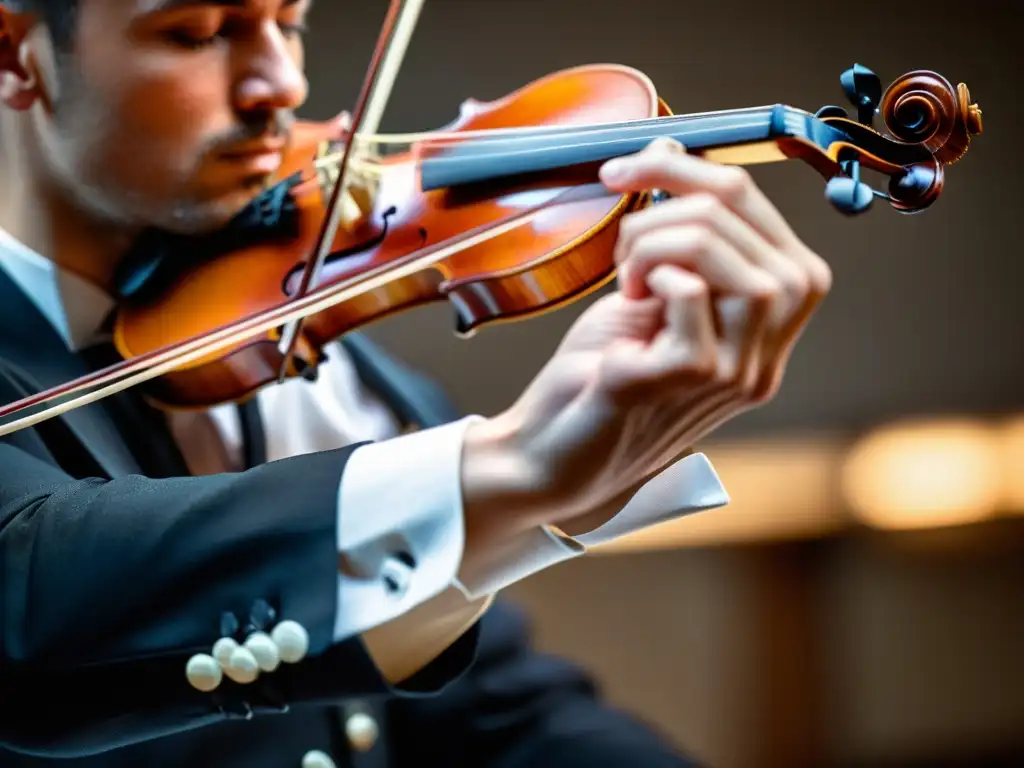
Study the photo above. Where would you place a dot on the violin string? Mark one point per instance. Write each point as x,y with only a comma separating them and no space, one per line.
729,120
628,144
533,131
126,374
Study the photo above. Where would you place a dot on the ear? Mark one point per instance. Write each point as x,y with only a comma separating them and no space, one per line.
19,87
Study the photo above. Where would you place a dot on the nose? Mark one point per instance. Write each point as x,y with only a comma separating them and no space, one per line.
273,78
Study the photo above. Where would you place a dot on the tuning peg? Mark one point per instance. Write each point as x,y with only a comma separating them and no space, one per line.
863,88
848,195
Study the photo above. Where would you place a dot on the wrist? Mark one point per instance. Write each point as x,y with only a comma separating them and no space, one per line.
500,485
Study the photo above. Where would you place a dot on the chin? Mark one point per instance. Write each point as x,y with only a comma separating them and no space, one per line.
198,218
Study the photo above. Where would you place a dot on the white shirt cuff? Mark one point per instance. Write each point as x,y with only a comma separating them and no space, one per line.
690,485
400,526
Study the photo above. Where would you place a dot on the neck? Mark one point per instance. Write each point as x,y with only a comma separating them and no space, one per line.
745,136
35,211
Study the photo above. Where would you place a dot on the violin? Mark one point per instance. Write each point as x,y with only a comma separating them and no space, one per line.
500,214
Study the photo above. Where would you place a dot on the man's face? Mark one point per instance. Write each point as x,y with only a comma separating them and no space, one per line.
172,113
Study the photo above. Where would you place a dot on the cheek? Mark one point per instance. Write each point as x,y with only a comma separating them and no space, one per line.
156,106
151,139
156,115
169,114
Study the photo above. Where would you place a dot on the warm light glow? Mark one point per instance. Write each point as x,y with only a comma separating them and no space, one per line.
924,474
1010,437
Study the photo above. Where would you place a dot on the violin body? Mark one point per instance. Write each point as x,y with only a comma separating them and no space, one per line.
562,254
500,213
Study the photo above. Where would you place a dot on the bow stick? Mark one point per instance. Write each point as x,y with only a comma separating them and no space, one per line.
377,85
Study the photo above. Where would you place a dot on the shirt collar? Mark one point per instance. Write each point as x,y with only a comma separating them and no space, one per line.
75,308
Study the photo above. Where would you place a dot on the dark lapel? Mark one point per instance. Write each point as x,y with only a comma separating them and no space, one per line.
37,359
417,400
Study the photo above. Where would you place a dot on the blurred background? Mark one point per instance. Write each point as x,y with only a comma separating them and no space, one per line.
861,601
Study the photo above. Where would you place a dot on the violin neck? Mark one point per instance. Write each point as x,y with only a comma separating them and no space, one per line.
747,135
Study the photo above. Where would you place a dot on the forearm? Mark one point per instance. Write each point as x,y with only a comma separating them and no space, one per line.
517,525
109,588
105,571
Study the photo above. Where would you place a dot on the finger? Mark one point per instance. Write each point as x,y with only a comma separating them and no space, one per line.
780,348
706,210
688,313
679,174
682,353
696,249
744,325
702,209
777,354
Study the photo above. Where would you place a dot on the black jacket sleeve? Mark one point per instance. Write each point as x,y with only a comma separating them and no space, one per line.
517,708
108,587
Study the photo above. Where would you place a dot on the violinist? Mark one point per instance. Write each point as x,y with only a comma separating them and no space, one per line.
213,585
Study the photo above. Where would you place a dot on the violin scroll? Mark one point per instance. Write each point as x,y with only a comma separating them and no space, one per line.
930,125
923,107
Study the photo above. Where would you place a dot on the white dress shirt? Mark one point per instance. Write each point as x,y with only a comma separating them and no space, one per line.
399,488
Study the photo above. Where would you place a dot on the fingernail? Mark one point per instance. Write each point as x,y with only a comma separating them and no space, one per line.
666,143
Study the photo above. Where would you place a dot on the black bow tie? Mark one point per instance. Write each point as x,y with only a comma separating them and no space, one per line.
158,257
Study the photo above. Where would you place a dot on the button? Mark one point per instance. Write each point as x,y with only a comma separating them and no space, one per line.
203,672
242,666
264,650
317,759
223,649
362,731
396,575
262,615
292,641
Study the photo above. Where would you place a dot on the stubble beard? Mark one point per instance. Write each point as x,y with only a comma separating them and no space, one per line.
79,122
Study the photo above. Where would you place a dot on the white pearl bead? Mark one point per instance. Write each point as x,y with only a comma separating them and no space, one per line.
362,731
242,666
223,649
317,759
292,641
264,649
203,672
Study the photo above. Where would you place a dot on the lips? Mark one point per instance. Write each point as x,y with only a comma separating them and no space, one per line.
255,149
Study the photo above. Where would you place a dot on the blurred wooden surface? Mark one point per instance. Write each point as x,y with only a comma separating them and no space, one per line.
872,651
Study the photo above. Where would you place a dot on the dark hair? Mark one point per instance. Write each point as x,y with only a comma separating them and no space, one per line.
58,15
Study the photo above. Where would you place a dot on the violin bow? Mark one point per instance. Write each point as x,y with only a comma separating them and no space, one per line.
381,74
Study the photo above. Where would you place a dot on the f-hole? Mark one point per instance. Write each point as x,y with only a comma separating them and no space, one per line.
333,258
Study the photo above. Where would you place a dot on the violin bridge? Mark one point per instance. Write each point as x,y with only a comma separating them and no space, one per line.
357,197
